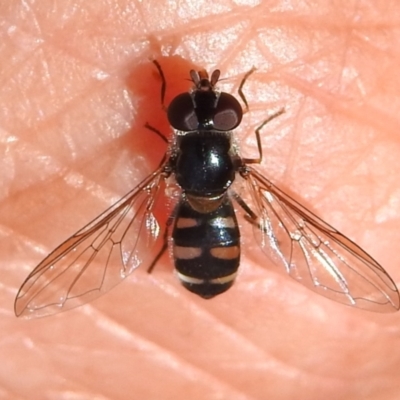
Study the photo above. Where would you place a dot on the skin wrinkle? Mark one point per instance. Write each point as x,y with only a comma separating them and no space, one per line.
167,357
199,311
273,364
307,344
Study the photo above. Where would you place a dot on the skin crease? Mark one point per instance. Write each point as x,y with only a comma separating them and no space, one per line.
77,89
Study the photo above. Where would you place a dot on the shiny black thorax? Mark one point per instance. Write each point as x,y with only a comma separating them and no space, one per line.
204,165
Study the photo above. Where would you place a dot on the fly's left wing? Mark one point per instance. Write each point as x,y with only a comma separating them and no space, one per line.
97,257
314,253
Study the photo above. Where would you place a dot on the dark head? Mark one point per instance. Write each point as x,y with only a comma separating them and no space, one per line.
204,108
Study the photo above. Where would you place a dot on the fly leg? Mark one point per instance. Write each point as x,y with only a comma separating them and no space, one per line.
240,90
258,138
157,132
250,215
258,129
163,83
165,242
162,93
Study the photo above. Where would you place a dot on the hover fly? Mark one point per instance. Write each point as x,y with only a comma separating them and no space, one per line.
204,165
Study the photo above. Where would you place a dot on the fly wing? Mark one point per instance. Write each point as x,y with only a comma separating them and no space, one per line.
97,257
315,254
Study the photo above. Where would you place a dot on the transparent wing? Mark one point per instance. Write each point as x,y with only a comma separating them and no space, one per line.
315,254
97,257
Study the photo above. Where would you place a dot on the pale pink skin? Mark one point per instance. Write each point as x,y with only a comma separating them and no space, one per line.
71,144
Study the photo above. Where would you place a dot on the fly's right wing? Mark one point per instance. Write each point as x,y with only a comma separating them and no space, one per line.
314,253
97,257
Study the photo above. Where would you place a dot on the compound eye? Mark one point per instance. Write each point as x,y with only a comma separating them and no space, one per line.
181,115
228,113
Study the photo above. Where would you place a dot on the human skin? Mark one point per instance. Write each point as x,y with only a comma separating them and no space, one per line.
77,89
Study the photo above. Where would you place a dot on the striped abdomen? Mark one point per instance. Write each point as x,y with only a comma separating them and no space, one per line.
206,247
